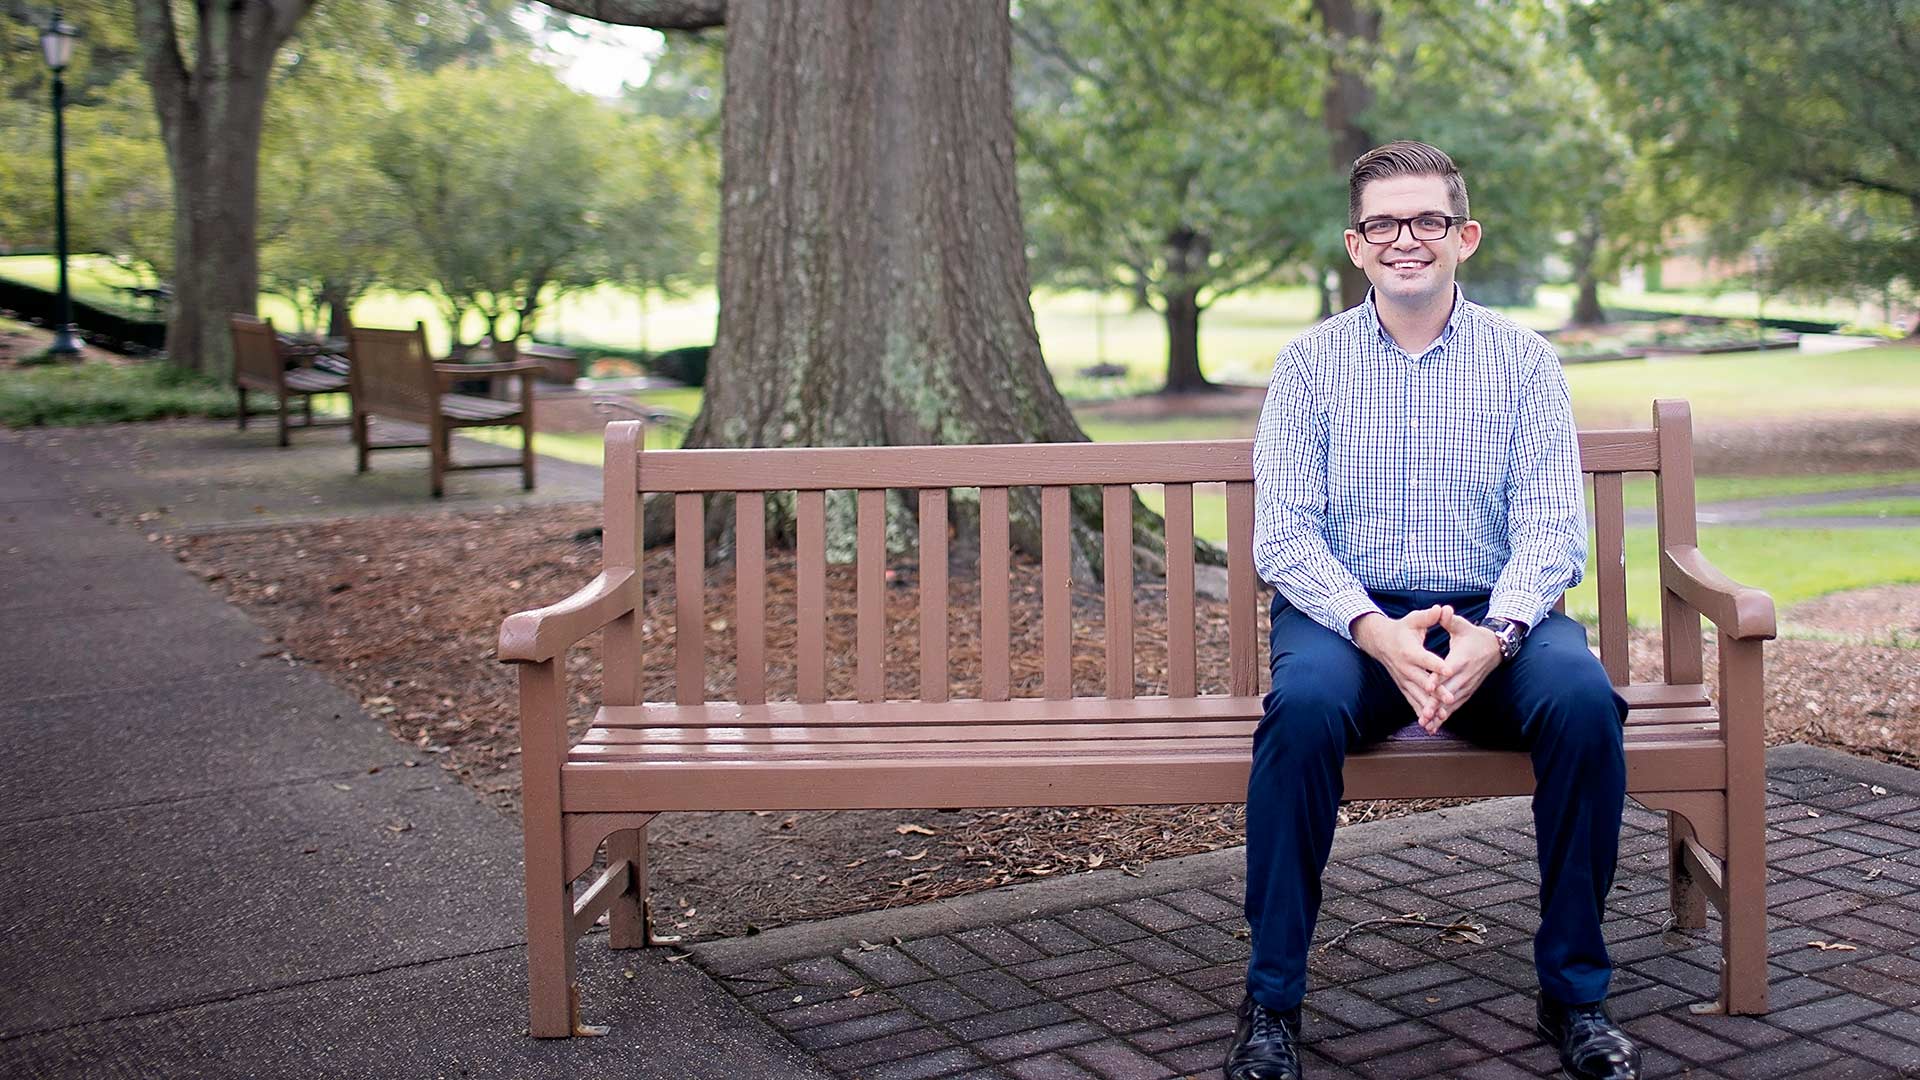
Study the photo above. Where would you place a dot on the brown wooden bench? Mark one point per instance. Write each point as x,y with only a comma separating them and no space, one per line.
261,363
394,377
1702,762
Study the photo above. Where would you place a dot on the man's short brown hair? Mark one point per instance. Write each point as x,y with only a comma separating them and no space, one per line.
1405,158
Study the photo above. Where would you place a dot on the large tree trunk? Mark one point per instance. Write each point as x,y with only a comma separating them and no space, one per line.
1586,253
339,307
1183,344
873,275
210,118
1352,27
1187,253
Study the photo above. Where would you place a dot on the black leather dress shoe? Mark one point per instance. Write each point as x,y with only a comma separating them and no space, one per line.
1266,1044
1591,1045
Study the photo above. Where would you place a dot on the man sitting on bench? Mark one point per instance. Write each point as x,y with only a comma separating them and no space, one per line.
1419,510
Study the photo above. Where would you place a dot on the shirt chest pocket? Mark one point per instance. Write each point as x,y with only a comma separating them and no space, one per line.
1473,449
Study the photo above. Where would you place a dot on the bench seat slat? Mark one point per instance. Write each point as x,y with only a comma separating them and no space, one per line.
898,713
1663,696
468,407
1108,777
598,739
309,381
662,744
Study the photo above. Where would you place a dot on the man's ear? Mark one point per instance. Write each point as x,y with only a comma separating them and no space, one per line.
1469,239
1353,247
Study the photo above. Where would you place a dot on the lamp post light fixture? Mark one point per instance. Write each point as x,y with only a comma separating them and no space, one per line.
57,44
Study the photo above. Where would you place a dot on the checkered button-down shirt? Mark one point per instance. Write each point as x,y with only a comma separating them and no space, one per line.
1454,470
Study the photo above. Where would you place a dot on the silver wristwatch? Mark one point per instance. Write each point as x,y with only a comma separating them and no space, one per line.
1510,633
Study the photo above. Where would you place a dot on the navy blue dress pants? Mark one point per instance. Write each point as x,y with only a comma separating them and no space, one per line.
1328,698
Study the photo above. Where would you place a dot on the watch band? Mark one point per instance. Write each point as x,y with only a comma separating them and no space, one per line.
1510,633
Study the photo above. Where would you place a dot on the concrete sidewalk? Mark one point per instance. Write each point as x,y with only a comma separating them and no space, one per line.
214,865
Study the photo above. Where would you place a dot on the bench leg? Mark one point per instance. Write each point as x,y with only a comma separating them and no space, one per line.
284,440
526,457
630,920
1743,919
1685,897
360,441
439,439
243,408
553,1004
550,968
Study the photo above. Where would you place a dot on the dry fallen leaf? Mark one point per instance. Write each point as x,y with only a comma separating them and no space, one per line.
916,858
917,830
856,991
1825,946
1094,861
1813,813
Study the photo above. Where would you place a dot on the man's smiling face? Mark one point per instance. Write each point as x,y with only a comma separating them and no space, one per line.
1409,272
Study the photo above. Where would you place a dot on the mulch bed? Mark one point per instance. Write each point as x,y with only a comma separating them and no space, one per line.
404,614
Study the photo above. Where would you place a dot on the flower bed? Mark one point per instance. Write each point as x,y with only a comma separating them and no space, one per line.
1690,334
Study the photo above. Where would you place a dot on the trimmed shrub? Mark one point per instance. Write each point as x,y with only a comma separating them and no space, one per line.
688,365
61,395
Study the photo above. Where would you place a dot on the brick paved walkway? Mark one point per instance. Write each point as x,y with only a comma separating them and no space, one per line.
1141,983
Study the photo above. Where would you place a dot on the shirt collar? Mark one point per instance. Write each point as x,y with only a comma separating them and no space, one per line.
1454,317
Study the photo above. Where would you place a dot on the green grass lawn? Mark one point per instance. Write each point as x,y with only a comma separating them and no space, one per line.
1791,564
1881,382
1899,506
58,395
1638,491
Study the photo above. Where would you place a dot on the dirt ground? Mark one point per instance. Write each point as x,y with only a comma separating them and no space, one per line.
404,614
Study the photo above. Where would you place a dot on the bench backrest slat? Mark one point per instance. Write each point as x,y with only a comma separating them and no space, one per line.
870,594
1610,571
690,599
810,594
996,577
870,474
1678,526
391,373
621,548
256,353
750,596
1181,659
1243,677
1116,525
933,594
1056,596
840,467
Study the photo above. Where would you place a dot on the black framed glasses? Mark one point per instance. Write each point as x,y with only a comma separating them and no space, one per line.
1386,230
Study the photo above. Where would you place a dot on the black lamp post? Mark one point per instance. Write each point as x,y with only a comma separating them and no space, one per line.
57,43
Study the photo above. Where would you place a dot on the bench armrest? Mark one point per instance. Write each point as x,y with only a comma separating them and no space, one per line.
539,635
1741,611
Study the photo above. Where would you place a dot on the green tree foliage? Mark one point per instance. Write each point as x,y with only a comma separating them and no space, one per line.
1790,124
1167,152
658,210
330,224
497,170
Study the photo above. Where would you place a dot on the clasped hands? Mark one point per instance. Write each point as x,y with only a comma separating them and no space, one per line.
1435,686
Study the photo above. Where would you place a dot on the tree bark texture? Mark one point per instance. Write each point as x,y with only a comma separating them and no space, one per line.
1183,344
1586,256
211,113
873,275
1187,253
1353,28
